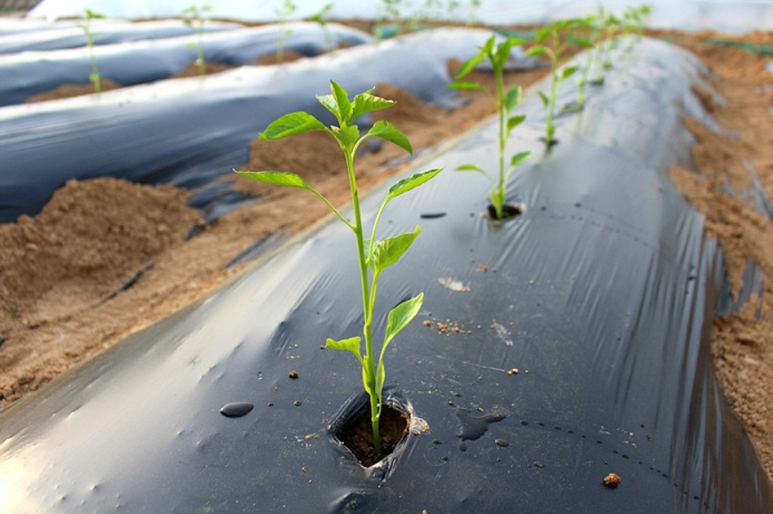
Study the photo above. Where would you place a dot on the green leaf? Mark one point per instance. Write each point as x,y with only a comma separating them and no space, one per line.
568,72
342,101
536,51
476,169
380,377
290,124
277,178
519,159
351,345
329,102
470,64
347,135
389,132
514,121
391,249
488,46
365,102
410,183
542,34
399,318
470,167
502,54
463,84
513,98
544,97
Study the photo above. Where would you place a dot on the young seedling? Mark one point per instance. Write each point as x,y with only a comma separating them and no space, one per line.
560,33
374,256
611,24
588,42
506,101
633,23
474,6
193,17
319,18
284,12
86,27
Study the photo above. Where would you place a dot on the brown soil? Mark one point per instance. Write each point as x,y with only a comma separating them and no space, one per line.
287,56
357,433
70,90
58,271
743,342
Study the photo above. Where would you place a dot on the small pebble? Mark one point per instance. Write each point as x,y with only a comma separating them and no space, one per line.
293,374
502,443
612,480
297,403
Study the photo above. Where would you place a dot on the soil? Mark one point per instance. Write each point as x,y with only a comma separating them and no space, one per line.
107,258
357,433
70,90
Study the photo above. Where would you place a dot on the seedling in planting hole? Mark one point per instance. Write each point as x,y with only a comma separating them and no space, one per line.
193,18
319,18
558,46
507,101
284,12
94,76
633,23
374,256
589,43
610,25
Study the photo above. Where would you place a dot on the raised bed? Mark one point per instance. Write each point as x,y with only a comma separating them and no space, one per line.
600,294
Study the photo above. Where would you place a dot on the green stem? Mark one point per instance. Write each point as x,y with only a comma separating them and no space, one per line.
94,71
367,305
498,204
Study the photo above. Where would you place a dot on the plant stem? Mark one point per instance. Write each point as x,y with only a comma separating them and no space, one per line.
498,205
367,305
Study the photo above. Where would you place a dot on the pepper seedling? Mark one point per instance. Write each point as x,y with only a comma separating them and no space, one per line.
193,17
593,34
320,18
94,77
283,12
559,33
374,256
506,101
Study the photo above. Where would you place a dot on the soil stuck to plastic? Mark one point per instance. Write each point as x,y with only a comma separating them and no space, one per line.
357,433
56,314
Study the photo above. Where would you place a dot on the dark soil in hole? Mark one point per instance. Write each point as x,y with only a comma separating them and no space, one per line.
357,434
508,211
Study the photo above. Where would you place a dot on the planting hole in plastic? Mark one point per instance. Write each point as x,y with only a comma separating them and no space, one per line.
355,432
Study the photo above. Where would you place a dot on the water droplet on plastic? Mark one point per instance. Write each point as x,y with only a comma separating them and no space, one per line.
236,409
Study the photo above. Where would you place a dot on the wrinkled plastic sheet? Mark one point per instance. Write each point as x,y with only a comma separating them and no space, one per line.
601,294
26,74
190,131
105,32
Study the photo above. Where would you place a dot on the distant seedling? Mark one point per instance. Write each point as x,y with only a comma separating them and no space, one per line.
374,256
320,17
193,17
284,13
506,101
560,33
86,27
